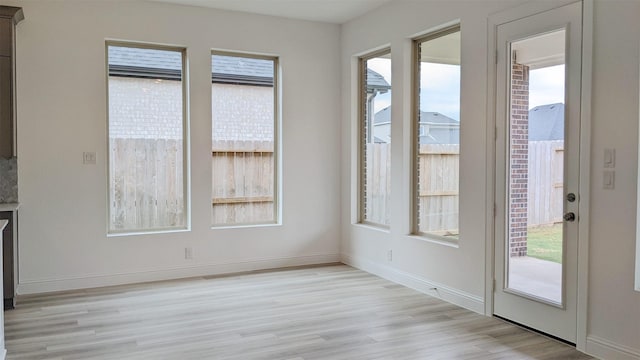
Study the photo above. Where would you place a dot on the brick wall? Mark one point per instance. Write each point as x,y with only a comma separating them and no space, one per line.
518,192
242,112
239,112
145,108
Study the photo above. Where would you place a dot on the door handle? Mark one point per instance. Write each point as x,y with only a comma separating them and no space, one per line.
570,217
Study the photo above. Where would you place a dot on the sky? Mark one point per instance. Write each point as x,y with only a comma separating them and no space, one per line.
546,86
440,87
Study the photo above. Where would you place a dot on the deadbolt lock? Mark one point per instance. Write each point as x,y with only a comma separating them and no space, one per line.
570,217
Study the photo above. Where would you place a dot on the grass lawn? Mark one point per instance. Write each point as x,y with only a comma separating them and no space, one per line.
545,242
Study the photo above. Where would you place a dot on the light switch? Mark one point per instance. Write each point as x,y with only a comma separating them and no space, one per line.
609,158
89,158
608,179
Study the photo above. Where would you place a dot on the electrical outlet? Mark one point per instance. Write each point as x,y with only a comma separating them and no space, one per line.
188,253
89,158
390,255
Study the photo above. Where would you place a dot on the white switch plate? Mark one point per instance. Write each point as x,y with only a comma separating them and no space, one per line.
608,179
89,158
609,158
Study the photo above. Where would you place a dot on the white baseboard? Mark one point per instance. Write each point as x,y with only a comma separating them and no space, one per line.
86,282
605,349
454,296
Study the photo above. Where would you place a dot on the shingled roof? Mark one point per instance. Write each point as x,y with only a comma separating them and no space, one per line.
546,122
167,64
441,128
164,64
426,117
376,82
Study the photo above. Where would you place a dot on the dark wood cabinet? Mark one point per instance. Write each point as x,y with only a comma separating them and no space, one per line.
9,17
9,256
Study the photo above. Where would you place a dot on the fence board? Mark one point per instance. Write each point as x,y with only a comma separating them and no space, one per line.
243,182
545,182
438,201
147,184
438,166
378,183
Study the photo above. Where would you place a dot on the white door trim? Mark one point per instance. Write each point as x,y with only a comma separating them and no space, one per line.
528,9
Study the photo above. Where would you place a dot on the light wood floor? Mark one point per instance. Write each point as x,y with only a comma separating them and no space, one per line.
327,312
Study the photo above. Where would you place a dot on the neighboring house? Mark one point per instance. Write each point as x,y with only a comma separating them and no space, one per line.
546,122
435,128
238,112
376,85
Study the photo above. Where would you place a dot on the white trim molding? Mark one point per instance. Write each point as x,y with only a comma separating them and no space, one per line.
605,349
93,281
425,286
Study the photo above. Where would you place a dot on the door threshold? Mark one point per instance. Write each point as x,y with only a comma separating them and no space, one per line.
535,330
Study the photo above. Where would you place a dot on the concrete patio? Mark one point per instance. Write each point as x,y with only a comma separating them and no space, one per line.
540,278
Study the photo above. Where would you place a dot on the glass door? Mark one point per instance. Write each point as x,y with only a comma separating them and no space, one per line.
537,170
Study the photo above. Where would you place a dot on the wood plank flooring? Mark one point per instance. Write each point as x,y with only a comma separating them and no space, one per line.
326,312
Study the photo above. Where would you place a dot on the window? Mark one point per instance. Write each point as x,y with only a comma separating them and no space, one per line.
147,122
375,138
244,149
437,143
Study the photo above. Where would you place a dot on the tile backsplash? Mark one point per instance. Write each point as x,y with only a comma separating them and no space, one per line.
9,180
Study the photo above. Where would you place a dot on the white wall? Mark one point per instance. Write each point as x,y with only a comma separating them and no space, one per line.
457,271
613,319
614,307
62,112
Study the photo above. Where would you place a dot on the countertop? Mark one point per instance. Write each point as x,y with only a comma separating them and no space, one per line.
9,206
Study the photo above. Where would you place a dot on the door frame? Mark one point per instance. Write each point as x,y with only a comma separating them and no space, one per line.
494,20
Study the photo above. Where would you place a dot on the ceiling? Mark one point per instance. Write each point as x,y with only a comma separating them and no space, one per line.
332,11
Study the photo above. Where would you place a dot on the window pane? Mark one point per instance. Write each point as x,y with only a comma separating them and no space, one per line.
146,147
438,135
376,140
243,91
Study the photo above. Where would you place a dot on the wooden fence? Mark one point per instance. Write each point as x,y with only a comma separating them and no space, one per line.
147,184
545,188
438,197
147,191
243,182
438,169
438,188
378,184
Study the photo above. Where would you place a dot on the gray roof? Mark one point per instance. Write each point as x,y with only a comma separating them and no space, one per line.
141,62
431,117
223,64
426,117
145,58
546,122
375,81
436,135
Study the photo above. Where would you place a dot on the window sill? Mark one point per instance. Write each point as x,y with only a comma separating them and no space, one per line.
370,226
148,232
435,239
245,226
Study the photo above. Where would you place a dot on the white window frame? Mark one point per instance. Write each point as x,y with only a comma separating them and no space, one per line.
277,146
185,139
416,132
362,133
